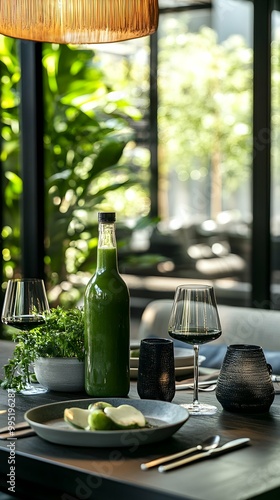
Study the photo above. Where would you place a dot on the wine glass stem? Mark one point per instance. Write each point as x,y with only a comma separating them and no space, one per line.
195,386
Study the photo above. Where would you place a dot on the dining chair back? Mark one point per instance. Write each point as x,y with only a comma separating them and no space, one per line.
240,325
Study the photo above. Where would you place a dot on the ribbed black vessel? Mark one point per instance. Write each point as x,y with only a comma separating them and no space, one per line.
244,384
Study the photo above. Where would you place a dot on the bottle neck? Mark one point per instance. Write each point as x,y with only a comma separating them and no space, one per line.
107,235
107,247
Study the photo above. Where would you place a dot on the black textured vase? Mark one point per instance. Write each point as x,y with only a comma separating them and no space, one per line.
244,384
156,371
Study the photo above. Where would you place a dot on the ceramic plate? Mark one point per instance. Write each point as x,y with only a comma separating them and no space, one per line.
183,362
180,371
182,357
47,421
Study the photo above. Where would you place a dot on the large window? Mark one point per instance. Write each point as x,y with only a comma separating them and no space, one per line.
190,111
205,142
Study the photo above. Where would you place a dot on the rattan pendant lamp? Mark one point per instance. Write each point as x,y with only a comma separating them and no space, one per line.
78,21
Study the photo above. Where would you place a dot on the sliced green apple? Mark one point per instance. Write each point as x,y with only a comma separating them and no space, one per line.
126,417
99,421
77,417
100,405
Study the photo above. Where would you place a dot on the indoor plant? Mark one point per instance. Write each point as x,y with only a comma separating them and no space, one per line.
60,338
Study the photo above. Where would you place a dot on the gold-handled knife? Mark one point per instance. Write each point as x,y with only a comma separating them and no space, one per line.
231,445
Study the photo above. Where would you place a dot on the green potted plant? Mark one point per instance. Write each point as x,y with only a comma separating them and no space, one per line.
56,349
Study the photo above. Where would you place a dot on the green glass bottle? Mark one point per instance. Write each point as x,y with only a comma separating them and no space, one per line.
107,320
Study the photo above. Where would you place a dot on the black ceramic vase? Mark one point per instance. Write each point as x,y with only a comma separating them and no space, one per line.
244,384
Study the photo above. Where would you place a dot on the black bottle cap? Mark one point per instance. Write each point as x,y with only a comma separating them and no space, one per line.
108,217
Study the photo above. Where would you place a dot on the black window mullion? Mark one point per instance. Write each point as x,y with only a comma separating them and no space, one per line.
261,196
154,124
32,160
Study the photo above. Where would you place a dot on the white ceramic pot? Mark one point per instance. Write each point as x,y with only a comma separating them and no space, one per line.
60,374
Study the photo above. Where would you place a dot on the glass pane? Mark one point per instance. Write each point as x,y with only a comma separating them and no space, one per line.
126,67
205,133
10,156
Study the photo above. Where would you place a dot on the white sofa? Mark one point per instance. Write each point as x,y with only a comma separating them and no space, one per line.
240,325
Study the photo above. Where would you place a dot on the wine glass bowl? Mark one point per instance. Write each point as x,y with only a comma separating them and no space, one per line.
195,320
25,307
25,304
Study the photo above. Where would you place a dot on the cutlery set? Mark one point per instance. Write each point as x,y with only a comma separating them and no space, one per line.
209,448
22,429
209,385
207,382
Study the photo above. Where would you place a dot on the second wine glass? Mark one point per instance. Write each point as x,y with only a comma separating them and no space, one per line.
25,306
195,320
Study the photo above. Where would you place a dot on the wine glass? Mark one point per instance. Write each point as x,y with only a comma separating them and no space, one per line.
195,320
25,306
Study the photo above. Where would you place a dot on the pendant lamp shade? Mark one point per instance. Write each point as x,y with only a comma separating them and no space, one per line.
78,21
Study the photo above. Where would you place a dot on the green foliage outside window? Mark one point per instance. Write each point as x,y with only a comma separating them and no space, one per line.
89,158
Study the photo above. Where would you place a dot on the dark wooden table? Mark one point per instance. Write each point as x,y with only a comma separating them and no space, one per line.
48,471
